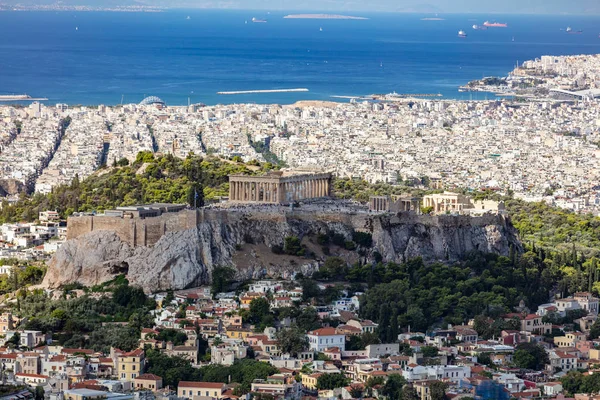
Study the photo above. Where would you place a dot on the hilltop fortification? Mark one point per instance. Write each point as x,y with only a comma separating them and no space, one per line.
179,250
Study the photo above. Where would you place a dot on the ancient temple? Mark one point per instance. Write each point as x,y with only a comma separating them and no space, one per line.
279,187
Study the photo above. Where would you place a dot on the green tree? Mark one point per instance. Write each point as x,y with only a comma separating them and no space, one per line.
437,390
332,381
572,382
292,340
429,351
595,330
195,195
410,393
356,391
174,336
393,387
259,309
222,277
292,246
333,267
530,356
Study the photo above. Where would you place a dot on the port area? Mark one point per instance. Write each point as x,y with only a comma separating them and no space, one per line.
263,91
390,97
20,97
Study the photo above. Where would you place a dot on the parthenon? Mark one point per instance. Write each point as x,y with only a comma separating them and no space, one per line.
279,187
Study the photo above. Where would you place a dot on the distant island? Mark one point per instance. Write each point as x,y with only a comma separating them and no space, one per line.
321,16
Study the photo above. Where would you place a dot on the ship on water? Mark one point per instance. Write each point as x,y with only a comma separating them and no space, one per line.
479,27
259,20
495,24
572,32
462,34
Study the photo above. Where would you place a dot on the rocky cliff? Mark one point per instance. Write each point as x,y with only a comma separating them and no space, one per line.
242,239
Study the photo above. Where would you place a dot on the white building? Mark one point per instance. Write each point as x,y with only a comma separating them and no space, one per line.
325,338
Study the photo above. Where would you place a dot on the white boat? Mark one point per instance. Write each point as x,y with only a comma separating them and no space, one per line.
462,34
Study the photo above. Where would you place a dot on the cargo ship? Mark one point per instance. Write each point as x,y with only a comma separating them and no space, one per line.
462,34
572,32
258,20
479,27
495,24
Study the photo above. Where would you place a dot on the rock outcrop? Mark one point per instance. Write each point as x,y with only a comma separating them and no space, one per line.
186,257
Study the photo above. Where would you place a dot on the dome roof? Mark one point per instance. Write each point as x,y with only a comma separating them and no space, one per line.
151,100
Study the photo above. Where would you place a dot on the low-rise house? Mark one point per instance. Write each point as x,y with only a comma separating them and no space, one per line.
465,333
510,382
324,338
148,382
188,352
570,339
587,302
192,390
552,388
237,332
32,379
28,363
562,361
227,353
452,373
365,326
309,381
531,323
280,386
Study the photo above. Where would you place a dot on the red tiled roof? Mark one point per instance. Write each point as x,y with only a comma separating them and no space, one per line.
323,332
149,377
74,351
208,385
134,353
31,375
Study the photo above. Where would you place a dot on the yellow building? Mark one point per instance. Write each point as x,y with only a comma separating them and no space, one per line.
147,382
569,340
310,381
6,322
191,390
84,394
236,332
422,389
130,365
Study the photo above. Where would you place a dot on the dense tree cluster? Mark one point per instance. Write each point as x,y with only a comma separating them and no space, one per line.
149,179
577,382
175,369
420,296
89,321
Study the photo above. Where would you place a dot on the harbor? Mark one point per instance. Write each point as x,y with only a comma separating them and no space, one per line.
20,97
264,91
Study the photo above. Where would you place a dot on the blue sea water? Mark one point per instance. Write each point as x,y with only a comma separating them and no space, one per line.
100,57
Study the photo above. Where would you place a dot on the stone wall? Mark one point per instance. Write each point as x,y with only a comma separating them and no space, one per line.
133,231
146,232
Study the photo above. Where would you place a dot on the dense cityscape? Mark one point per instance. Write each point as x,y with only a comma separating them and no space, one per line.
396,248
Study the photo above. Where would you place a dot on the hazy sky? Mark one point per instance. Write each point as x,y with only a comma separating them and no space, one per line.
427,6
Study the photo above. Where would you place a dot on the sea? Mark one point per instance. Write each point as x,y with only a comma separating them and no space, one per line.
187,56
